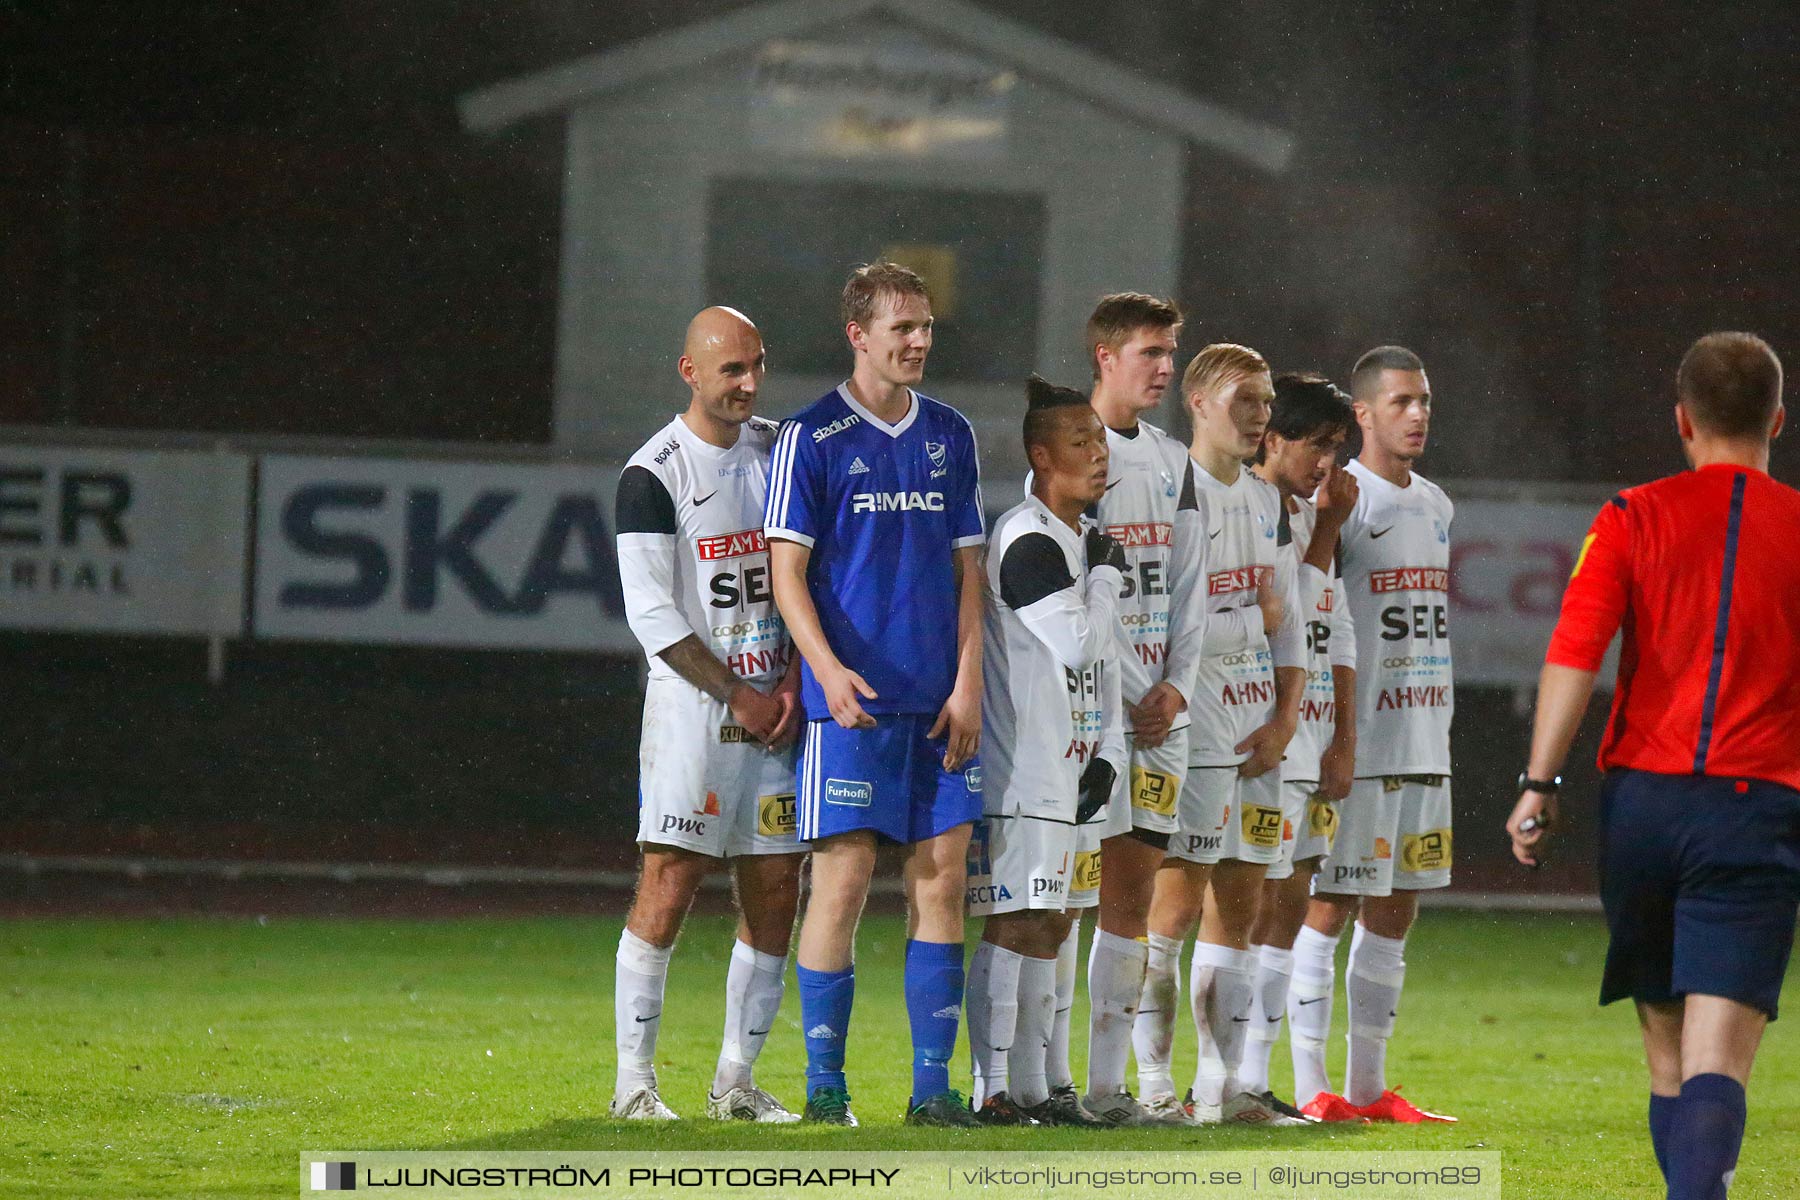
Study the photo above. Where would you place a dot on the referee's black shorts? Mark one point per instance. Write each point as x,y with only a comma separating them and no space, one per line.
1700,877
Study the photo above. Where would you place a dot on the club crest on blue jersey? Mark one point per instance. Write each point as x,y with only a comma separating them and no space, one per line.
936,451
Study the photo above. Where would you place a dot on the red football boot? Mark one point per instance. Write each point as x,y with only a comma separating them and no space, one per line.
1329,1106
1392,1106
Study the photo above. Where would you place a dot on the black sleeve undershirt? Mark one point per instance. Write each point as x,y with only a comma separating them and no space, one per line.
644,505
1033,567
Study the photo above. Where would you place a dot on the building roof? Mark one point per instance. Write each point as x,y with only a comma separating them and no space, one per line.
1050,60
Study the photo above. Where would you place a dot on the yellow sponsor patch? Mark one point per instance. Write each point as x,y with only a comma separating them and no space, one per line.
1261,825
1322,819
1429,851
1087,871
775,816
1153,791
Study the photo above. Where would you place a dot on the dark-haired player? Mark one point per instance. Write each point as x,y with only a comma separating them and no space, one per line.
1394,838
1700,808
1308,424
874,525
1053,745
1149,507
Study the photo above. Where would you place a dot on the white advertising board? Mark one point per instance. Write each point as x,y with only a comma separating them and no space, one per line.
1509,563
122,541
419,552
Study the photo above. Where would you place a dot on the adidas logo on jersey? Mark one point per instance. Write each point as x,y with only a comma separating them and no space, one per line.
859,467
824,1033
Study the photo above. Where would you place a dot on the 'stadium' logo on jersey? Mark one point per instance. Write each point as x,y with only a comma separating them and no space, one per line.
730,545
893,502
837,426
1133,537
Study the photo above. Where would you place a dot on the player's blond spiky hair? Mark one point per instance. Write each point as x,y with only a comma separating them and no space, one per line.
1217,365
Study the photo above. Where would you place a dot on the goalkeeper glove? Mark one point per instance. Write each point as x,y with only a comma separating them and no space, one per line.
1096,788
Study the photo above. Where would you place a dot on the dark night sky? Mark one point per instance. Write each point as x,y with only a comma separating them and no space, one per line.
277,200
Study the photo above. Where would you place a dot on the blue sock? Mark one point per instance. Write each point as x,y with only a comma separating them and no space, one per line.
825,998
1704,1137
934,992
1662,1112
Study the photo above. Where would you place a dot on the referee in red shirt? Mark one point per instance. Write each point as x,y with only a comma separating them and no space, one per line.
1700,808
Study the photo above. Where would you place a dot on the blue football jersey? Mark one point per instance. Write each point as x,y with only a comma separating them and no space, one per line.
883,507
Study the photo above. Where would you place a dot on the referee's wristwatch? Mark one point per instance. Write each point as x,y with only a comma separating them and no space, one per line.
1546,787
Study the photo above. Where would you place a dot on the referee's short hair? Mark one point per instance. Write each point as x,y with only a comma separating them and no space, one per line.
1730,384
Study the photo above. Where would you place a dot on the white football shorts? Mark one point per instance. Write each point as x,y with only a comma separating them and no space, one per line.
1308,825
706,785
1393,835
1224,815
1148,794
1021,862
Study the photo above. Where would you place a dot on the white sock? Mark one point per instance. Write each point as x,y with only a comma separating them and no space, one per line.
1372,980
1056,1060
1153,1033
640,973
1031,1042
1115,980
1222,994
753,987
1309,1011
1269,992
992,997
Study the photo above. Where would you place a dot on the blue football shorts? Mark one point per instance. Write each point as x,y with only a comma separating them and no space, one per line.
1700,878
890,779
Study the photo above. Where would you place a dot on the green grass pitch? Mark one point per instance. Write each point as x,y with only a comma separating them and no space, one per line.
198,1057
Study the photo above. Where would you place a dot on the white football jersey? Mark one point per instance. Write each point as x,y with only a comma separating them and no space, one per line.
692,557
1330,642
1050,674
1150,508
1396,564
1247,540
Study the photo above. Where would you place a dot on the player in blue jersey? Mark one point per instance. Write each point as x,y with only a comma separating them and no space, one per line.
875,535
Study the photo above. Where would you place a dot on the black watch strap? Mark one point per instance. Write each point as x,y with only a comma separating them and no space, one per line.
1548,787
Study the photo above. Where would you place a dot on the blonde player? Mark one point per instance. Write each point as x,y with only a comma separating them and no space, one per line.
1245,709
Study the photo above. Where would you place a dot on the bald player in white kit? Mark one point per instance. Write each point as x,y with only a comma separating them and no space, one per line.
716,764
